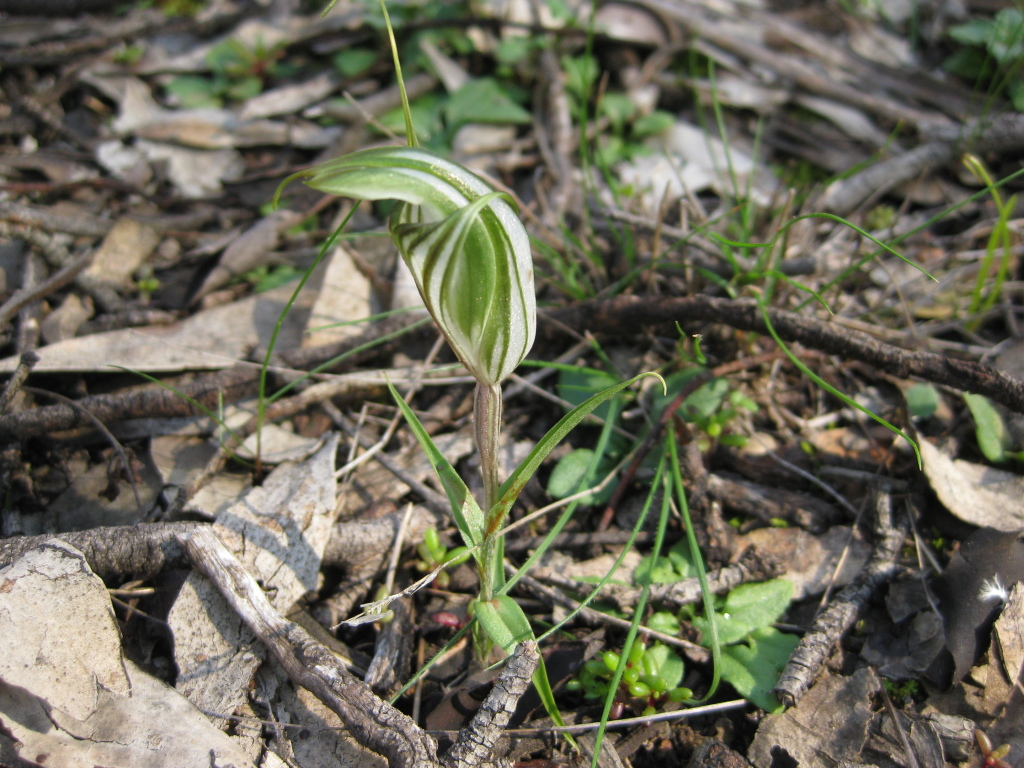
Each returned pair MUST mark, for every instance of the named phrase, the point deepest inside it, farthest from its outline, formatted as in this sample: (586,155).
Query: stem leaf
(506,624)
(467,513)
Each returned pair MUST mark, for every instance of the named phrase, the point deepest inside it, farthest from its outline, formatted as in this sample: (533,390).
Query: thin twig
(18,378)
(840,615)
(52,284)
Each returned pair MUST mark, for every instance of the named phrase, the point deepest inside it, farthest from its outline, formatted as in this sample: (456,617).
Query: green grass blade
(511,488)
(410,131)
(829,388)
(698,561)
(195,404)
(599,449)
(638,612)
(262,401)
(626,549)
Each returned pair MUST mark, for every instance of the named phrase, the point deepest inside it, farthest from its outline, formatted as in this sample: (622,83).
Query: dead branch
(476,741)
(1001,134)
(374,723)
(597,316)
(139,552)
(637,312)
(842,612)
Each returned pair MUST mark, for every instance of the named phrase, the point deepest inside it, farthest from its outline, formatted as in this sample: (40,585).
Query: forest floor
(804,216)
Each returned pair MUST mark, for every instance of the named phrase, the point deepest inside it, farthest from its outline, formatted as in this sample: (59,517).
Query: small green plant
(438,117)
(753,652)
(993,437)
(993,53)
(128,54)
(470,257)
(652,677)
(902,689)
(237,73)
(1000,241)
(922,400)
(627,128)
(711,408)
(433,554)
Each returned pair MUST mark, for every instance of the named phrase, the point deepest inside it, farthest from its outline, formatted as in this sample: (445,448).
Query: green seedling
(993,53)
(352,62)
(1001,241)
(993,437)
(711,408)
(627,128)
(128,54)
(651,678)
(433,554)
(922,400)
(237,73)
(483,100)
(675,565)
(754,653)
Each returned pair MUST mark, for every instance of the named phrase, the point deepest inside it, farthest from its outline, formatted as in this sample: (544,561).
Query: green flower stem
(487,427)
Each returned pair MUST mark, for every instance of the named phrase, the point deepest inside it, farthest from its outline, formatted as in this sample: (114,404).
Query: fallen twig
(377,725)
(842,612)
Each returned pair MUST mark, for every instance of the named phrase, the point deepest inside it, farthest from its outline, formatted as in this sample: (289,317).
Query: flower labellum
(463,242)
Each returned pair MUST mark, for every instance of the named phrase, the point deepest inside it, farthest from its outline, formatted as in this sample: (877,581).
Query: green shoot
(1000,240)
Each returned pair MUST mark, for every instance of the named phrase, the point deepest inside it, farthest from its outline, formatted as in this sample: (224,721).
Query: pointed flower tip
(464,243)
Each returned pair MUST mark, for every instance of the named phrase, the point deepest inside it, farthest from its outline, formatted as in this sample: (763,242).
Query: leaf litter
(109,157)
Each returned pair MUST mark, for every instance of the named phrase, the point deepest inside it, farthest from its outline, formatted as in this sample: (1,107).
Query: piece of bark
(476,741)
(842,612)
(374,723)
(713,753)
(139,552)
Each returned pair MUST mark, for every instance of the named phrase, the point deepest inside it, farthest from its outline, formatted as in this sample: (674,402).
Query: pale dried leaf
(290,99)
(209,340)
(64,322)
(828,726)
(58,633)
(179,458)
(977,494)
(125,248)
(156,727)
(196,173)
(811,560)
(279,530)
(252,249)
(344,297)
(86,503)
(1008,633)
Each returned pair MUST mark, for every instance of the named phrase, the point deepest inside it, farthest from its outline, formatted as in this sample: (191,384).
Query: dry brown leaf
(977,494)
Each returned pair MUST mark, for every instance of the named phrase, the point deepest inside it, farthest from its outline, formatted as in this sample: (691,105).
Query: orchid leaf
(505,622)
(467,513)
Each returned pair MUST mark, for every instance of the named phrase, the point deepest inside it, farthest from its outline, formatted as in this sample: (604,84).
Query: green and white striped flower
(464,243)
